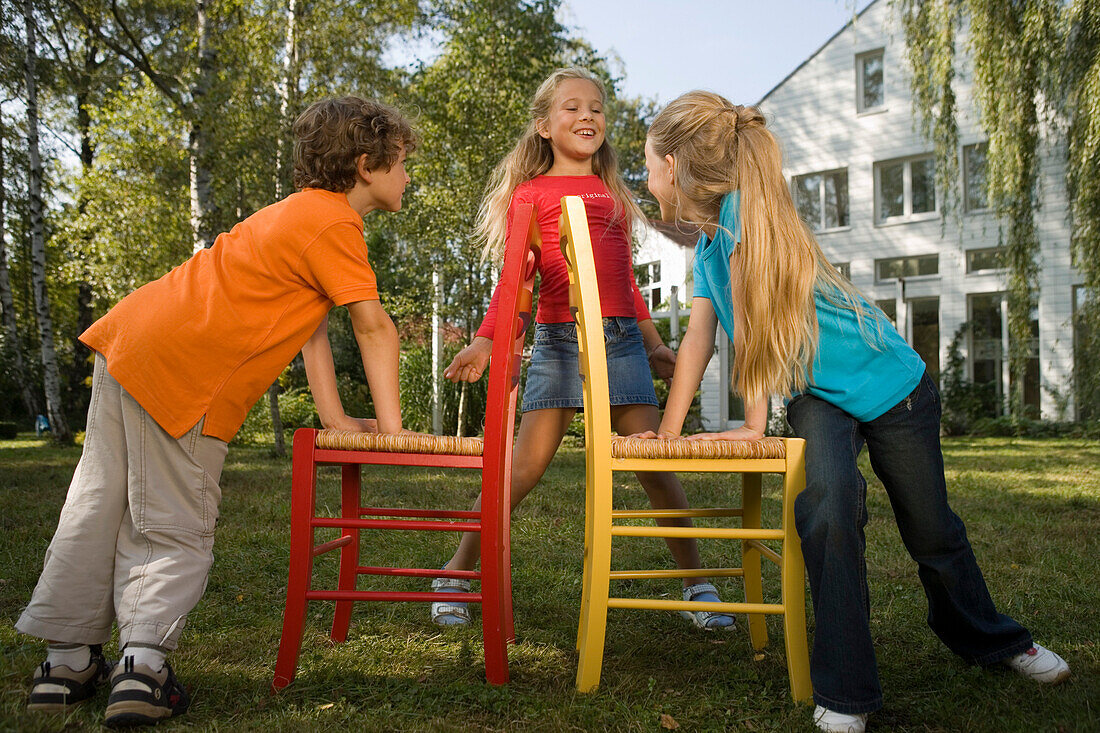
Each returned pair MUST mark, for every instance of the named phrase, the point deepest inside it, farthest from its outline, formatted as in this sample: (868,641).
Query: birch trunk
(287,86)
(51,378)
(201,196)
(7,301)
(461,431)
(84,295)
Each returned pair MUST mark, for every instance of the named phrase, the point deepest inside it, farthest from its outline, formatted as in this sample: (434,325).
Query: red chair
(491,455)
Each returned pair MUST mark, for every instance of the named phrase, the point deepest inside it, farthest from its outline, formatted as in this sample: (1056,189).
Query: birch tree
(51,379)
(7,302)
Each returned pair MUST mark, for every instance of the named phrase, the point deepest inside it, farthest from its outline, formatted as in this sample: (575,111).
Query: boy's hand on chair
(741,433)
(354,424)
(470,363)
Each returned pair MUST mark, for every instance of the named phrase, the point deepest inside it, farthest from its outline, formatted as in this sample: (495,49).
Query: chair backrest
(584,302)
(517,280)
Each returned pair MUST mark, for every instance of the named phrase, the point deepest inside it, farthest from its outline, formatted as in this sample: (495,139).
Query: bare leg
(663,489)
(537,440)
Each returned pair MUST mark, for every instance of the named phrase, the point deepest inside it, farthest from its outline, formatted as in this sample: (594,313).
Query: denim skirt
(553,377)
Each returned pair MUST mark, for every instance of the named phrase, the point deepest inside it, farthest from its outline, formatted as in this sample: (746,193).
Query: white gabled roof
(821,48)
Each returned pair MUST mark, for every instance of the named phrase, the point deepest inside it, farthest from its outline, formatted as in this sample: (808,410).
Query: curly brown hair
(332,133)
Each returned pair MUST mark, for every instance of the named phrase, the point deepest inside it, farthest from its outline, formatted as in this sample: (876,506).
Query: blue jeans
(904,448)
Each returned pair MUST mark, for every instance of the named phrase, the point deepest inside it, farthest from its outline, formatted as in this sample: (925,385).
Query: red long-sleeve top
(619,293)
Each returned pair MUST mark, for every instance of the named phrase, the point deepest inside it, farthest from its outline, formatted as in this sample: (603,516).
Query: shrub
(295,410)
(964,403)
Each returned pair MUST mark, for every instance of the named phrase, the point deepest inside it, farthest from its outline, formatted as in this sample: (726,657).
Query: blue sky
(738,48)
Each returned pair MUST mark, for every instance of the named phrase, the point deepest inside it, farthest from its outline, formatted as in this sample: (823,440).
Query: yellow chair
(605,453)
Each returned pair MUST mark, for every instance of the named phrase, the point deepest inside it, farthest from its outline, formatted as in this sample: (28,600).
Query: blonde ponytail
(719,147)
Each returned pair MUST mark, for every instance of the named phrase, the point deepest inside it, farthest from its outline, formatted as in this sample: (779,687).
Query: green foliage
(1015,49)
(295,409)
(1086,356)
(930,34)
(1080,104)
(416,393)
(964,402)
(473,106)
(134,227)
(1006,427)
(128,86)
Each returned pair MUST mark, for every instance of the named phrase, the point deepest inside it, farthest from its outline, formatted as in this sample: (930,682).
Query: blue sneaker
(706,620)
(450,614)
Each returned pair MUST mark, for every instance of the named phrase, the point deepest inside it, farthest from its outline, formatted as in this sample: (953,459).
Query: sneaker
(834,722)
(140,696)
(454,613)
(56,688)
(1039,664)
(706,620)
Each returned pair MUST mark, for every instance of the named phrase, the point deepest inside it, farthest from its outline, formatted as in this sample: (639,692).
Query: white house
(863,177)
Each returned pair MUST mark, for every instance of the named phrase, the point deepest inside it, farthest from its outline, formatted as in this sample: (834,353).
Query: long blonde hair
(533,156)
(718,147)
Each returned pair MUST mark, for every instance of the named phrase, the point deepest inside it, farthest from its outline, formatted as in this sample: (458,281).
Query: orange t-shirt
(211,336)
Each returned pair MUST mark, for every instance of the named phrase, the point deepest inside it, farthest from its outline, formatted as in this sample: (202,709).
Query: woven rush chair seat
(490,457)
(605,454)
(622,447)
(447,445)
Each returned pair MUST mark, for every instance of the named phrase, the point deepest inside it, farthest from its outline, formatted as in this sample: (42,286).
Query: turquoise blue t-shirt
(862,379)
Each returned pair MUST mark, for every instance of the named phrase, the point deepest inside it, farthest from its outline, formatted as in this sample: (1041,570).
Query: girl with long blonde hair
(801,330)
(564,152)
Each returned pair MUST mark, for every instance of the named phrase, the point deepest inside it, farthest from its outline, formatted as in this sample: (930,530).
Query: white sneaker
(834,722)
(1039,664)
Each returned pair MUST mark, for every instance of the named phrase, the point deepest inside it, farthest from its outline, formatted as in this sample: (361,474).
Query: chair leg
(506,592)
(493,626)
(597,574)
(794,578)
(303,484)
(493,630)
(750,558)
(350,496)
(586,573)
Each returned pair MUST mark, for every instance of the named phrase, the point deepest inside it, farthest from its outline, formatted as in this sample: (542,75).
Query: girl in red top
(564,152)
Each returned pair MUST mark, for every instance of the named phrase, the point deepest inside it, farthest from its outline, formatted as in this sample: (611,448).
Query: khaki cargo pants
(135,540)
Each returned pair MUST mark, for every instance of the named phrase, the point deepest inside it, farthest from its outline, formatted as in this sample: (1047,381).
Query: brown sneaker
(56,689)
(140,696)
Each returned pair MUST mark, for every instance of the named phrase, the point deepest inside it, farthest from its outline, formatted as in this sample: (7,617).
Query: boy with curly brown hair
(178,364)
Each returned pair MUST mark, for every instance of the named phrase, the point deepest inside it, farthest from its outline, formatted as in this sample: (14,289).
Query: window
(897,267)
(989,349)
(822,199)
(975,177)
(924,321)
(844,268)
(648,276)
(870,86)
(984,260)
(905,189)
(890,308)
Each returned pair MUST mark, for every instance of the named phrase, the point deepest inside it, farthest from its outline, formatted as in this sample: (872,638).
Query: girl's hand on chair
(651,435)
(470,363)
(741,433)
(662,360)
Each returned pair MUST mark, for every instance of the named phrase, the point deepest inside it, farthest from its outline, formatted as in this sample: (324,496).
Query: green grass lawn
(1032,510)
